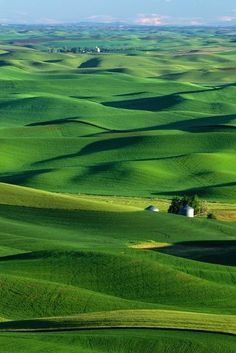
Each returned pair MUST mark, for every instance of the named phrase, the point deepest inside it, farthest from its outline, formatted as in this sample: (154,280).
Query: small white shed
(187,211)
(152,209)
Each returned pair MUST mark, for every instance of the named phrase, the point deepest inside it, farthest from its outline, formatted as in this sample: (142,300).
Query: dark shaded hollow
(221,252)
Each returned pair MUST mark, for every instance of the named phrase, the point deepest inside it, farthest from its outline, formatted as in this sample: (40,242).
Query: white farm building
(187,211)
(152,209)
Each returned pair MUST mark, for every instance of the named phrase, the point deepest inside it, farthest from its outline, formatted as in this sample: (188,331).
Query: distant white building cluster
(186,210)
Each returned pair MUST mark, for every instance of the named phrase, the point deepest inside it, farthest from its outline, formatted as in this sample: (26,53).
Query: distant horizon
(152,12)
(119,23)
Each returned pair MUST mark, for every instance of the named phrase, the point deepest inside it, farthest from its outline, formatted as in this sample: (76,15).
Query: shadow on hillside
(152,104)
(94,62)
(74,120)
(202,124)
(53,61)
(53,122)
(95,147)
(131,94)
(215,252)
(4,63)
(160,103)
(201,191)
(36,255)
(217,123)
(22,177)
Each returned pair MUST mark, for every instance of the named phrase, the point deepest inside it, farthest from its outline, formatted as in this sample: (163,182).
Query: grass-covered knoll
(83,260)
(129,319)
(71,262)
(124,123)
(110,341)
(26,197)
(86,143)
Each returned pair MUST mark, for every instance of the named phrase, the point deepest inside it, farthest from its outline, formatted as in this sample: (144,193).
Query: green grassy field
(86,143)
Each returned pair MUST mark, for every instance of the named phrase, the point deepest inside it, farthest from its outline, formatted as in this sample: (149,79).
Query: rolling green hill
(74,260)
(87,142)
(86,131)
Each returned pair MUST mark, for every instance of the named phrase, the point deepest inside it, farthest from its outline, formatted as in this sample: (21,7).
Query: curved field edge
(122,340)
(16,195)
(159,319)
(28,197)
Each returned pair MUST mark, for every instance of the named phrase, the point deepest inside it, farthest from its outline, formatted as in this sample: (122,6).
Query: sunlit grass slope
(80,260)
(129,319)
(26,197)
(118,127)
(119,340)
(66,261)
(152,118)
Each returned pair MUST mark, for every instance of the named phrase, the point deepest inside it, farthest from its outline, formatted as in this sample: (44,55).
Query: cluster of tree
(79,50)
(200,206)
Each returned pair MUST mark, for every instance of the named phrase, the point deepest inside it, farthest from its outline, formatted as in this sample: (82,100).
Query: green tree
(200,206)
(175,205)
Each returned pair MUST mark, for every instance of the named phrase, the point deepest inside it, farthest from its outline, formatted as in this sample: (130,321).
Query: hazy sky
(139,11)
